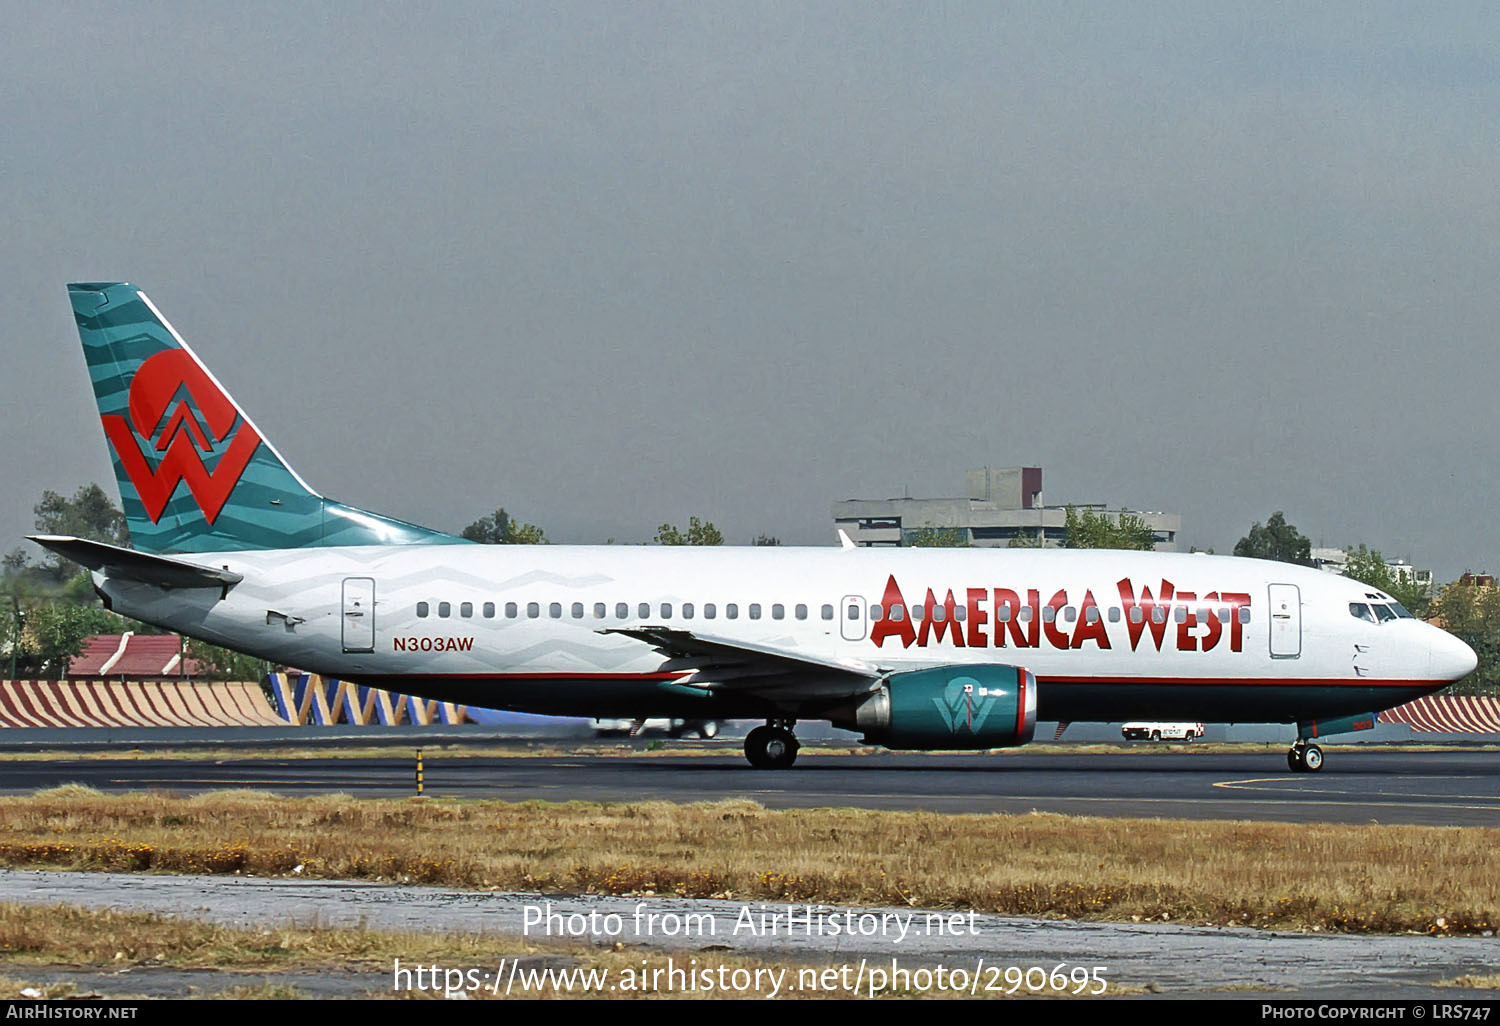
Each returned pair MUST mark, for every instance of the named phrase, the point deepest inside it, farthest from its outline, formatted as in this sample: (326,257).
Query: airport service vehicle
(1161,731)
(916,648)
(672,727)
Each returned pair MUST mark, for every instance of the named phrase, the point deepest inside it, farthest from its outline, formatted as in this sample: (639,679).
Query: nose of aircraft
(1449,658)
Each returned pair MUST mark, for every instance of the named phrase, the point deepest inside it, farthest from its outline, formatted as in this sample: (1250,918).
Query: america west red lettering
(1023,633)
(948,623)
(1090,624)
(156,388)
(1163,619)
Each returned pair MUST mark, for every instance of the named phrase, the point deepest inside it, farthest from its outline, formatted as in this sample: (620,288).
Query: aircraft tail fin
(195,473)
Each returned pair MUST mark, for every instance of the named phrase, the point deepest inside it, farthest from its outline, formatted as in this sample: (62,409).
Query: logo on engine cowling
(965,705)
(178,411)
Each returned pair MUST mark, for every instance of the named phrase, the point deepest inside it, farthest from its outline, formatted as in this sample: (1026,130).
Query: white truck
(1162,731)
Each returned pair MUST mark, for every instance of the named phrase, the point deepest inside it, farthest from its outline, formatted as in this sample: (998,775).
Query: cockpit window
(1384,612)
(1401,612)
(1360,611)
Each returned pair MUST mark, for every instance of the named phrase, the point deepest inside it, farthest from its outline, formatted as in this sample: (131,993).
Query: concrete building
(1335,560)
(999,506)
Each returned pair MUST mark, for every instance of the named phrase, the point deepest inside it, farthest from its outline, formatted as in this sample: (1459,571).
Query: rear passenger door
(359,614)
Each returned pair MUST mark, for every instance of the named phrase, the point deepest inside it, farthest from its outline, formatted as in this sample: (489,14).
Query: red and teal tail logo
(195,474)
(179,416)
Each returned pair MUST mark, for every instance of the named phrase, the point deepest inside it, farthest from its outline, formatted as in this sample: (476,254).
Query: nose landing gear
(1303,757)
(772,746)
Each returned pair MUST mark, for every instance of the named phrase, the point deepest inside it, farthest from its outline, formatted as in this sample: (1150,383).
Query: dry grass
(1474,983)
(106,941)
(35,934)
(1324,877)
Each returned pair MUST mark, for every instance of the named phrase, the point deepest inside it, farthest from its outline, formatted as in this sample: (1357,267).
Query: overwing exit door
(851,615)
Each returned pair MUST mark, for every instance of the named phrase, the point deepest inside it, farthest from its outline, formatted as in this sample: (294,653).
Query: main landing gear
(1304,757)
(773,746)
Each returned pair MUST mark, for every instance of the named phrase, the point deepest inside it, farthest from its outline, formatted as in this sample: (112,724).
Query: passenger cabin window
(1244,614)
(827,612)
(533,610)
(445,609)
(599,611)
(489,610)
(755,610)
(622,610)
(511,612)
(898,613)
(801,611)
(554,610)
(578,610)
(644,610)
(778,611)
(466,609)
(710,610)
(877,611)
(732,611)
(422,609)
(666,610)
(687,610)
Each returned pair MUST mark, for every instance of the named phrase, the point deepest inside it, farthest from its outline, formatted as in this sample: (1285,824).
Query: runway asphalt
(1447,788)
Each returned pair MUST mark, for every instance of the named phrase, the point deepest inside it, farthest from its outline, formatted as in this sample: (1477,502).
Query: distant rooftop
(1000,506)
(146,656)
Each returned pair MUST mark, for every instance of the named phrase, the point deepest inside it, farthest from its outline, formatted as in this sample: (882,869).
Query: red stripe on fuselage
(1321,682)
(1361,682)
(523,676)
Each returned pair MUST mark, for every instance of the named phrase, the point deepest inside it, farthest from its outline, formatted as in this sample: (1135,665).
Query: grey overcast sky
(609,265)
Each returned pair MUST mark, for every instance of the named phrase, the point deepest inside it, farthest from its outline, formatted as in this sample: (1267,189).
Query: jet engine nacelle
(950,707)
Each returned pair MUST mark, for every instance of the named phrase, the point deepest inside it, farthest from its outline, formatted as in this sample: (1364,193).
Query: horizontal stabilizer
(113,561)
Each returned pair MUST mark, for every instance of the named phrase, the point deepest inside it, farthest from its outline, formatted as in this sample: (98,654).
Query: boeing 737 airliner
(915,648)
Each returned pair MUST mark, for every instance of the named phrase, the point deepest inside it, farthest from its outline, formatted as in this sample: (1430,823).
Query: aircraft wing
(113,561)
(722,663)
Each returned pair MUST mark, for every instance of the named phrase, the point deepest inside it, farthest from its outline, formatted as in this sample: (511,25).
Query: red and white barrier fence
(98,703)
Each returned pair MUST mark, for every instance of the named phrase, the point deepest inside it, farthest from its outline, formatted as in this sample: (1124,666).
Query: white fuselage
(1109,635)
